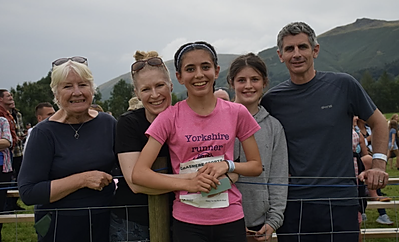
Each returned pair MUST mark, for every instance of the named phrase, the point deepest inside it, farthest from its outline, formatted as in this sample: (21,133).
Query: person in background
(5,162)
(365,148)
(134,103)
(220,93)
(96,107)
(14,119)
(263,204)
(18,148)
(323,104)
(66,167)
(392,146)
(43,111)
(28,126)
(6,101)
(11,202)
(200,133)
(392,154)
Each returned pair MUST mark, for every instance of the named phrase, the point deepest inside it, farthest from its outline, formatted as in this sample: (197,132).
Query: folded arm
(143,175)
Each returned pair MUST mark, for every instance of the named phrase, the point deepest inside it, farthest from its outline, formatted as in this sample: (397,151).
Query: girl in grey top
(263,197)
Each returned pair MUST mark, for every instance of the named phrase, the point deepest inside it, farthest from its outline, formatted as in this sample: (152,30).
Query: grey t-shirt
(317,119)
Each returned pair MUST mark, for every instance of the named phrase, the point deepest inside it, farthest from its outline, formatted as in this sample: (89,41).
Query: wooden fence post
(158,208)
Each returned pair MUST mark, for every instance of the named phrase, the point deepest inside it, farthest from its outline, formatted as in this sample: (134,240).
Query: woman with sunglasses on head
(264,204)
(153,87)
(66,166)
(200,132)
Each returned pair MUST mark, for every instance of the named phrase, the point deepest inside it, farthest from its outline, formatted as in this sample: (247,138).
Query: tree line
(384,91)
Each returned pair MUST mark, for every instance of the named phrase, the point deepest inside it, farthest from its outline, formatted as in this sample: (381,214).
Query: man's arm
(376,176)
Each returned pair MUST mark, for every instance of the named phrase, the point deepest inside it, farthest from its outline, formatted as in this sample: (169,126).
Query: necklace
(76,131)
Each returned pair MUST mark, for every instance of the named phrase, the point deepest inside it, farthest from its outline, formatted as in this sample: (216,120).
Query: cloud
(34,33)
(170,49)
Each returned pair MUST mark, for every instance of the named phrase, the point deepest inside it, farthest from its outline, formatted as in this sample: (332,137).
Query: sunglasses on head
(79,59)
(138,65)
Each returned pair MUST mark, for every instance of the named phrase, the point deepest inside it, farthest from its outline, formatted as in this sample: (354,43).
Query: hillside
(360,24)
(366,44)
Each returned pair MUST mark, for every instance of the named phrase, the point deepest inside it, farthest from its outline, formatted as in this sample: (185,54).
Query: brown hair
(393,124)
(248,60)
(42,105)
(2,91)
(199,45)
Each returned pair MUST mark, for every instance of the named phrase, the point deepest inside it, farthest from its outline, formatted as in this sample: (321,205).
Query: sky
(35,33)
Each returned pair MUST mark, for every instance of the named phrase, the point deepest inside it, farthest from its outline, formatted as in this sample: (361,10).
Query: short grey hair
(294,29)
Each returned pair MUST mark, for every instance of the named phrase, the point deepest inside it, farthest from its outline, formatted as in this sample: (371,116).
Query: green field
(24,232)
(372,214)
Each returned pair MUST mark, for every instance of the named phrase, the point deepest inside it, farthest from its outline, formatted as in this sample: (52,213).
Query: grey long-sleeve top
(262,203)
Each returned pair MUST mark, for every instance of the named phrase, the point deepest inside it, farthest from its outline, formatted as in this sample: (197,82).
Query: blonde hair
(134,103)
(96,107)
(60,74)
(142,55)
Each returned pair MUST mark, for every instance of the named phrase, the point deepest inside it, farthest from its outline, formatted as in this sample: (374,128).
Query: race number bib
(196,199)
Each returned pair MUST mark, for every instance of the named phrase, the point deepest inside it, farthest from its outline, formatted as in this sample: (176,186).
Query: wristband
(229,178)
(380,156)
(231,166)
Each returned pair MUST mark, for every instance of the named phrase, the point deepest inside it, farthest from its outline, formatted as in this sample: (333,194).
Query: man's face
(7,101)
(298,54)
(44,113)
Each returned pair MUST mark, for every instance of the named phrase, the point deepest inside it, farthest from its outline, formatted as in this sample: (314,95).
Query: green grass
(372,214)
(388,115)
(24,232)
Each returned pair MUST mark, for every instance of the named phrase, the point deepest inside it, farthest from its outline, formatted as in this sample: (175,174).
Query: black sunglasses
(79,59)
(138,65)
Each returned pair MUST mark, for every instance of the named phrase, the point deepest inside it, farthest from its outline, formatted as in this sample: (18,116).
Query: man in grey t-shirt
(316,111)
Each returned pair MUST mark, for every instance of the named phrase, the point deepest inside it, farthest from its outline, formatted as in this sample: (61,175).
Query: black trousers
(228,232)
(310,222)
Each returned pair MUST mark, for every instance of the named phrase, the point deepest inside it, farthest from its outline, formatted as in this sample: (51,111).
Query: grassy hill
(366,44)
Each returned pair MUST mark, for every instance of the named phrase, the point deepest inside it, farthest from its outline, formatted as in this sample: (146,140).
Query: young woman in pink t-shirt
(200,132)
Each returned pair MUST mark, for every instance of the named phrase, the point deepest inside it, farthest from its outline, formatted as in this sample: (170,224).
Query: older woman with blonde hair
(66,166)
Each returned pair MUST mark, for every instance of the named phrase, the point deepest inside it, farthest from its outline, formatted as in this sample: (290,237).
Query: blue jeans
(124,230)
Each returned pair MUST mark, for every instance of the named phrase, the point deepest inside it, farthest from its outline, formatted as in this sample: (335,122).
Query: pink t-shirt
(191,136)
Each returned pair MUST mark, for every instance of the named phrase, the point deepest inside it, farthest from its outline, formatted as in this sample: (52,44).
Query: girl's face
(154,90)
(248,85)
(198,72)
